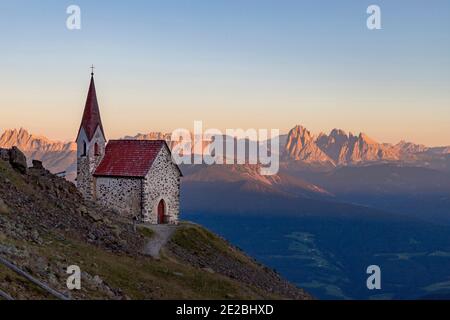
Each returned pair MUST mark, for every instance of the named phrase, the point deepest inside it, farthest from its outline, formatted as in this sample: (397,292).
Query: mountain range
(298,147)
(312,166)
(341,149)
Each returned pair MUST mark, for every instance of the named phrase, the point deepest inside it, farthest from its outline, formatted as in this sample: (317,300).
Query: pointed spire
(91,116)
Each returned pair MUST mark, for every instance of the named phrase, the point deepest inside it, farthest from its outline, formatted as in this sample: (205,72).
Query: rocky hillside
(55,155)
(45,226)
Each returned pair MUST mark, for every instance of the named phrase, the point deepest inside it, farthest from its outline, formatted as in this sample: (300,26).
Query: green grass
(18,287)
(200,241)
(14,177)
(138,277)
(144,277)
(146,232)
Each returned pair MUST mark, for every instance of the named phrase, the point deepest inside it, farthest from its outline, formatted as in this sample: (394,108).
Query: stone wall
(120,194)
(162,182)
(84,178)
(86,164)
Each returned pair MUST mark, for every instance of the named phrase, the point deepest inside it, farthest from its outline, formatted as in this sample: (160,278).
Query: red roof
(91,116)
(129,158)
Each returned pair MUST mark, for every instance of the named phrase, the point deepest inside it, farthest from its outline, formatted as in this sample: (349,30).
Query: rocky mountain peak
(409,147)
(338,147)
(301,145)
(28,142)
(300,134)
(338,133)
(364,138)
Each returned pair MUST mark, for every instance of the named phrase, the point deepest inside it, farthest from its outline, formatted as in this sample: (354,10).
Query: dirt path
(162,234)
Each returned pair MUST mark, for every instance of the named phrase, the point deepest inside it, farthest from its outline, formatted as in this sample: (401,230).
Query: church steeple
(91,115)
(91,143)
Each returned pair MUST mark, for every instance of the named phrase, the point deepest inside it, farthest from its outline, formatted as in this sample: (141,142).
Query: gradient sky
(231,63)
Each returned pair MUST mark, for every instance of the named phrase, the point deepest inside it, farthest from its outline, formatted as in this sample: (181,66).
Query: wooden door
(161,212)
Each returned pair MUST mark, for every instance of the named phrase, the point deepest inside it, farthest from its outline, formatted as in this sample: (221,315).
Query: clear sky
(231,63)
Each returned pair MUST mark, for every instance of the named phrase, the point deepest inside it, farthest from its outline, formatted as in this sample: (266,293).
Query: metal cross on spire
(92,70)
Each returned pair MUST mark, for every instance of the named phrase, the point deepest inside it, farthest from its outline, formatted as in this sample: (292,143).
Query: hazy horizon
(232,64)
(315,134)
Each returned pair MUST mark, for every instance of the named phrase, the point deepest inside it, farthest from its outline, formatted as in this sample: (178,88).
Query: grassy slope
(108,273)
(137,277)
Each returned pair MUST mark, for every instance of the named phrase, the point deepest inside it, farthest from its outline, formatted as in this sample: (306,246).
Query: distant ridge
(341,149)
(336,149)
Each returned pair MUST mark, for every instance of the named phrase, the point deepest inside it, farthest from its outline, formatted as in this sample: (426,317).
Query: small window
(96,149)
(84,149)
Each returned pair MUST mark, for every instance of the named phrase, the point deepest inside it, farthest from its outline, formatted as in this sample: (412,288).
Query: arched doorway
(162,212)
